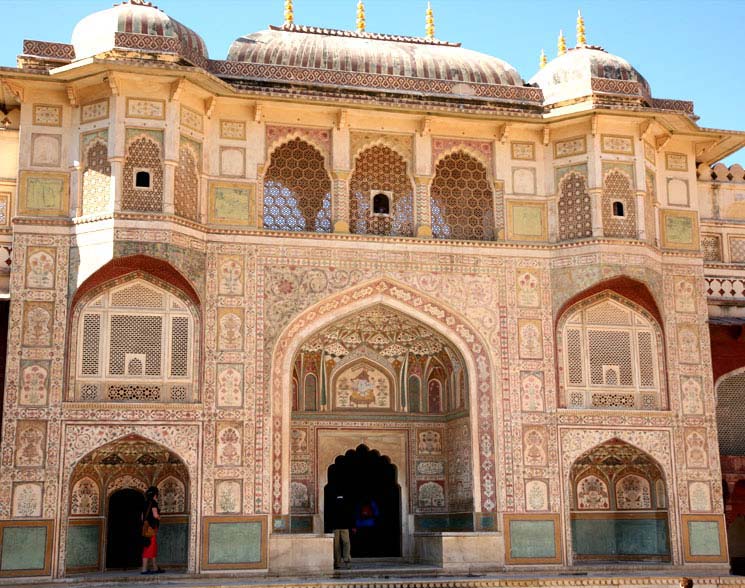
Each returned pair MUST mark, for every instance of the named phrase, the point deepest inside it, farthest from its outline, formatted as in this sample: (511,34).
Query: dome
(351,58)
(130,25)
(581,71)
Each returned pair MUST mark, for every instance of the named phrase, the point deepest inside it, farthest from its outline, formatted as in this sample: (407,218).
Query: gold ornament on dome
(562,44)
(430,22)
(360,17)
(581,39)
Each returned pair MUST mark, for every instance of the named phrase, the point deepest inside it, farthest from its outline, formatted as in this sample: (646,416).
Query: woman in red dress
(151,515)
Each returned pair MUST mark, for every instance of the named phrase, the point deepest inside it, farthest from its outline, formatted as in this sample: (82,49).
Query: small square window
(380,202)
(142,179)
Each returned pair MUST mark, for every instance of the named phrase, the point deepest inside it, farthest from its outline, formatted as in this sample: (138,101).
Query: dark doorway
(123,538)
(368,481)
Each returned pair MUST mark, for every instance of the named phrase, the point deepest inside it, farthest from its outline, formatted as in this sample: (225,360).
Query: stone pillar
(170,154)
(596,203)
(422,208)
(117,149)
(641,218)
(340,201)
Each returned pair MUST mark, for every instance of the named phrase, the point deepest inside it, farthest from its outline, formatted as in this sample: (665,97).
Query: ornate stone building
(350,262)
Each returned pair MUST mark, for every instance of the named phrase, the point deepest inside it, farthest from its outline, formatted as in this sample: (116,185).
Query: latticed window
(143,155)
(382,197)
(136,343)
(186,184)
(462,199)
(611,357)
(96,179)
(575,211)
(297,190)
(619,207)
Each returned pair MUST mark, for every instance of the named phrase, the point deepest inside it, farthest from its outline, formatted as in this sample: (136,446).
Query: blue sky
(691,50)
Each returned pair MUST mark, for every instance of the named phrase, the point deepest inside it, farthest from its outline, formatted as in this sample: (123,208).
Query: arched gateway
(391,372)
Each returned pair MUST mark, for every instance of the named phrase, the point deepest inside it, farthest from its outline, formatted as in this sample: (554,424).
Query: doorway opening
(123,537)
(368,481)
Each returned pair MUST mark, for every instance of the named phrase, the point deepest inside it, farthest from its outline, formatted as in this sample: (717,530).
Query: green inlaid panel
(235,543)
(23,548)
(704,538)
(83,546)
(642,537)
(173,540)
(532,539)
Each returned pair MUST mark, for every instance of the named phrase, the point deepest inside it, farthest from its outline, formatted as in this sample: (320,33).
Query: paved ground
(410,576)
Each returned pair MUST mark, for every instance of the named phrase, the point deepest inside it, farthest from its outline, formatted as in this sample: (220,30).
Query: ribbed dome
(364,53)
(96,33)
(571,75)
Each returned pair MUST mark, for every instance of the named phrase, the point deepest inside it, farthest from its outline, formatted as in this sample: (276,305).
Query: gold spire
(430,22)
(289,15)
(544,59)
(360,17)
(581,39)
(562,45)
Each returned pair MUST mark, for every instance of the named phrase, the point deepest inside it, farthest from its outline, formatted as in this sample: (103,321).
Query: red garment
(151,550)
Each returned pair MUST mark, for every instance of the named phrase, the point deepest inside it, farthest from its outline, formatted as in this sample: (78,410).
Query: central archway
(369,483)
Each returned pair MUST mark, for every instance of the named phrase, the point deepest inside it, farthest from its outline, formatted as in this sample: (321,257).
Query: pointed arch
(462,198)
(610,354)
(297,188)
(420,307)
(380,169)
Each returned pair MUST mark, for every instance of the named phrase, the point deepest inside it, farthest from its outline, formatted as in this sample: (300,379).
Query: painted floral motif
(84,499)
(172,495)
(299,440)
(692,398)
(699,496)
(230,277)
(528,290)
(695,441)
(229,386)
(27,500)
(430,443)
(34,385)
(531,389)
(229,446)
(688,344)
(40,269)
(299,496)
(632,493)
(362,386)
(37,330)
(685,295)
(30,438)
(534,441)
(231,332)
(228,497)
(431,495)
(536,495)
(529,332)
(592,494)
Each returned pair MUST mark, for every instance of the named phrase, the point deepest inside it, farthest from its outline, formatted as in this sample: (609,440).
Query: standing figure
(150,525)
(342,521)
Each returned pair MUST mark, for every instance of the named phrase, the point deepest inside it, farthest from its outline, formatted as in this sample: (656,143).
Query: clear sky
(690,50)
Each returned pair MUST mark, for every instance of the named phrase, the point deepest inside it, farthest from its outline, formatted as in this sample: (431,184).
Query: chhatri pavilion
(510,312)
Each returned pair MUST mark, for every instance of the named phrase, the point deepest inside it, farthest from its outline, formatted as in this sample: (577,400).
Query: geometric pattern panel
(96,179)
(381,169)
(297,189)
(462,199)
(186,184)
(575,212)
(617,189)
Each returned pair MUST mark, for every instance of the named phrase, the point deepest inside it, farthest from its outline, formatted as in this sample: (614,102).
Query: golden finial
(581,39)
(360,17)
(430,22)
(289,14)
(544,59)
(562,45)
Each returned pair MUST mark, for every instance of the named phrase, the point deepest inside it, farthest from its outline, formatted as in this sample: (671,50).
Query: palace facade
(506,314)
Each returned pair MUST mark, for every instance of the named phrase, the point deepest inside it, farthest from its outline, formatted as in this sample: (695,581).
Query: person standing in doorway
(150,525)
(342,523)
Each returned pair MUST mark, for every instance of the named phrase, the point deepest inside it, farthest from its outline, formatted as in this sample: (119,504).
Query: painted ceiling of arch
(615,454)
(388,332)
(131,451)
